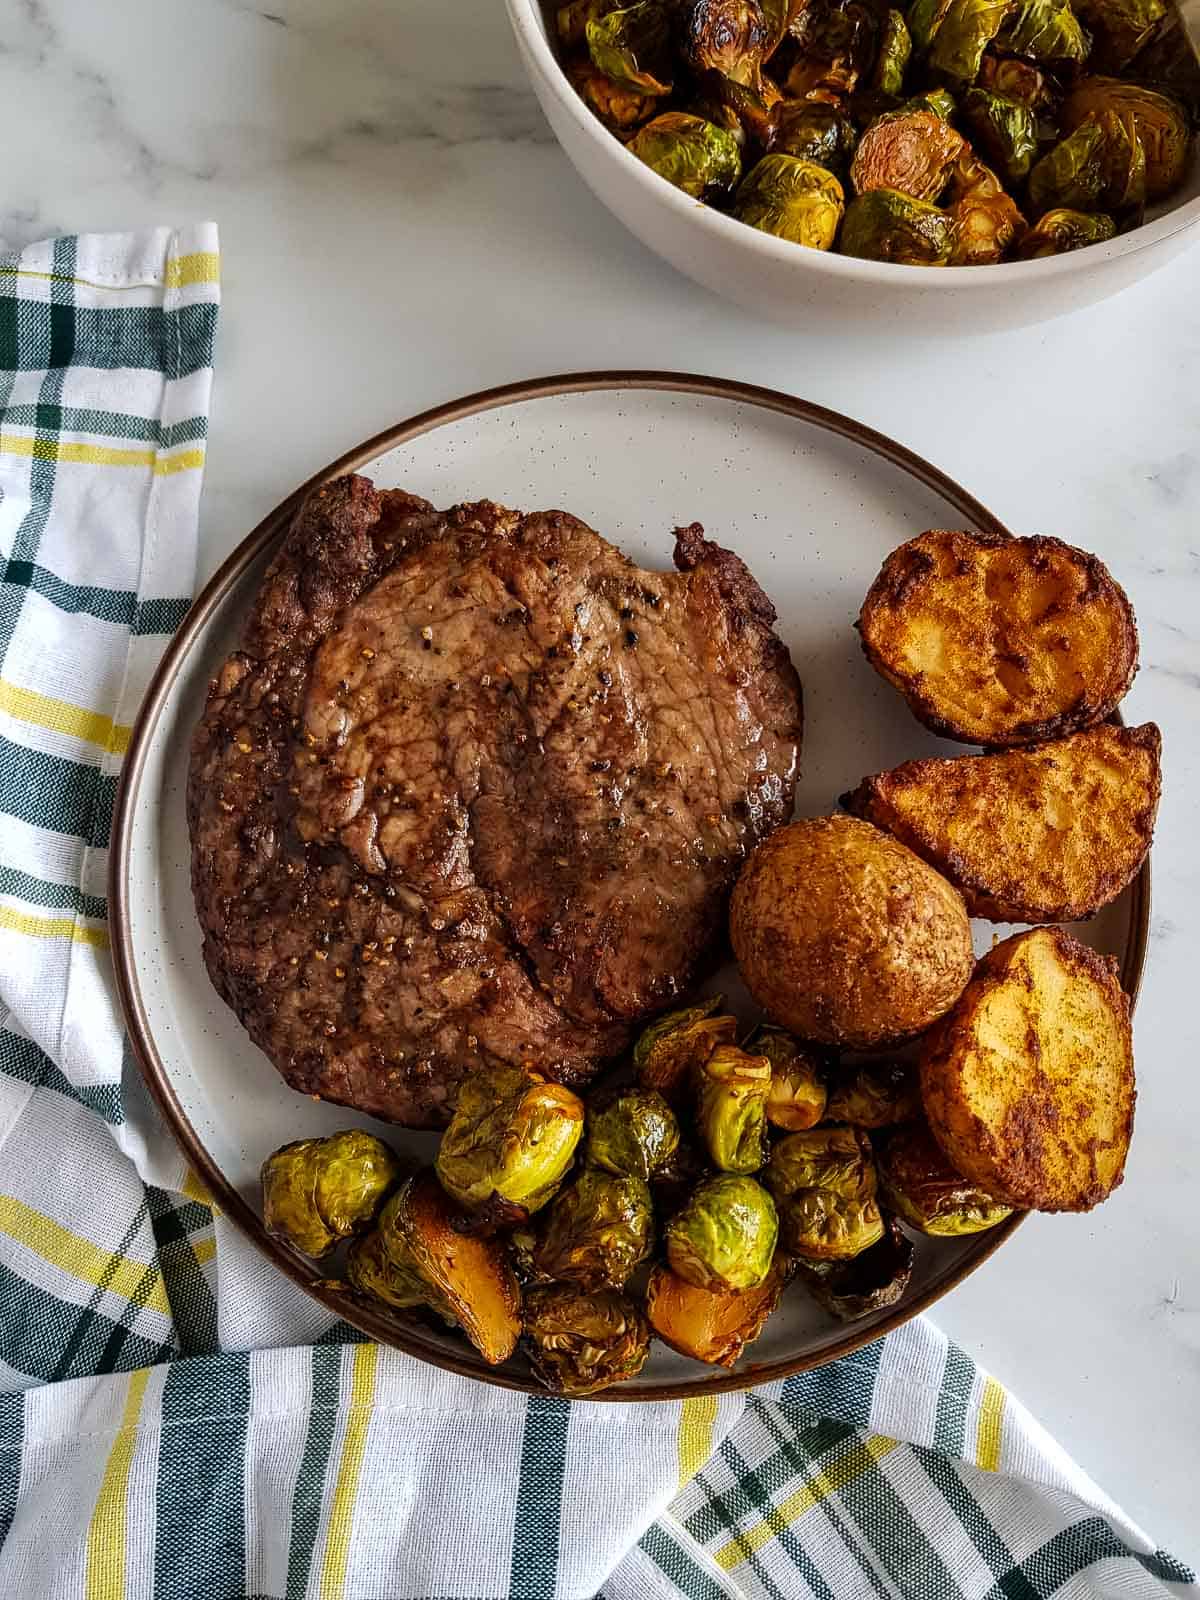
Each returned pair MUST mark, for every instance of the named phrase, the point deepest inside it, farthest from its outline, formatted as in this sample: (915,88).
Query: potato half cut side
(1028,1083)
(1046,834)
(999,641)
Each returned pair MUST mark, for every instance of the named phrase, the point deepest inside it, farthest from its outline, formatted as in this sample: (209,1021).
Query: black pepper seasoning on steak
(475,787)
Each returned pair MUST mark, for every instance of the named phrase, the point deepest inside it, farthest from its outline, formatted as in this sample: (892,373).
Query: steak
(475,788)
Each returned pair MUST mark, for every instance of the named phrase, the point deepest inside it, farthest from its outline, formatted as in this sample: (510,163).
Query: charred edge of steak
(736,584)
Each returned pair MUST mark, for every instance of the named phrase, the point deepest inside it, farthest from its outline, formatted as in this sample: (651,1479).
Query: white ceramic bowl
(793,284)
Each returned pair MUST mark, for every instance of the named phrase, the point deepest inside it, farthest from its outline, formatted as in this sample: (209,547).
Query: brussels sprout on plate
(668,1052)
(875,1094)
(509,1143)
(708,1325)
(1056,232)
(824,1226)
(885,225)
(390,1276)
(923,1188)
(834,1157)
(731,1112)
(911,152)
(870,1281)
(797,1096)
(319,1191)
(724,1236)
(633,46)
(1004,131)
(596,1232)
(469,1278)
(631,1132)
(579,1342)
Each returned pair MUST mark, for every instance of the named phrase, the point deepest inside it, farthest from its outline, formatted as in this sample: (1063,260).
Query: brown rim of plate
(378,1324)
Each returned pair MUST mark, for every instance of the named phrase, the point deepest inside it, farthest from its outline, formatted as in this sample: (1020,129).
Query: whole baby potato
(845,937)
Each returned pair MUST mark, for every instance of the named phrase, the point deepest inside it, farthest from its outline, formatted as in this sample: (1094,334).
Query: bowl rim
(341,1302)
(528,23)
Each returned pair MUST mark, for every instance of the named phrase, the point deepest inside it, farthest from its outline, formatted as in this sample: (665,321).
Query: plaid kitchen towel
(176,1419)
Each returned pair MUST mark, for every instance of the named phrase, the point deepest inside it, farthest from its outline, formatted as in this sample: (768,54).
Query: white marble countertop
(398,227)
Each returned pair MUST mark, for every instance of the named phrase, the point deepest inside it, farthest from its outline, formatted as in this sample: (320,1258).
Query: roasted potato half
(1046,834)
(845,937)
(1028,1083)
(999,641)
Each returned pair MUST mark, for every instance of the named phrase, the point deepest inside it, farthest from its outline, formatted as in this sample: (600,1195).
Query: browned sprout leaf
(711,1326)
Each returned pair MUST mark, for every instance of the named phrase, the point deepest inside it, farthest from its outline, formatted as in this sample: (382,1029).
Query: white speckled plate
(811,500)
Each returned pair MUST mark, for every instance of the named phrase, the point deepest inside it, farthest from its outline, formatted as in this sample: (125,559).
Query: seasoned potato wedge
(1047,834)
(1028,1083)
(1000,641)
(469,1274)
(709,1325)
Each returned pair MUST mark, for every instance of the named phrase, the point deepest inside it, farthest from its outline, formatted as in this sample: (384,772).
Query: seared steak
(475,787)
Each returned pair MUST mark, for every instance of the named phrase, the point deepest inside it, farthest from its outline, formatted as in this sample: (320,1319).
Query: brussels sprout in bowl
(766,271)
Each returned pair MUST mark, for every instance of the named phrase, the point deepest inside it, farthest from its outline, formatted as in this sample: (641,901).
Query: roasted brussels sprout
(870,1281)
(1159,121)
(1168,62)
(633,46)
(1120,27)
(1043,30)
(924,18)
(876,1094)
(670,1049)
(318,1191)
(824,1226)
(836,42)
(571,20)
(884,225)
(711,1326)
(834,1157)
(940,101)
(814,132)
(1003,130)
(631,1132)
(1014,79)
(470,1279)
(731,1091)
(1071,175)
(509,1142)
(1056,232)
(986,219)
(596,1232)
(797,1096)
(725,36)
(895,48)
(920,1185)
(724,1237)
(793,199)
(579,1342)
(911,152)
(619,108)
(966,29)
(373,1271)
(696,156)
(744,110)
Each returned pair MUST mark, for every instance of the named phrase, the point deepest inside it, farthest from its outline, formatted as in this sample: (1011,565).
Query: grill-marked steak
(476,787)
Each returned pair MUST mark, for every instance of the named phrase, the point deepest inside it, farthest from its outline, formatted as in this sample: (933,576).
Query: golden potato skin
(998,641)
(1050,833)
(1028,1084)
(845,937)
